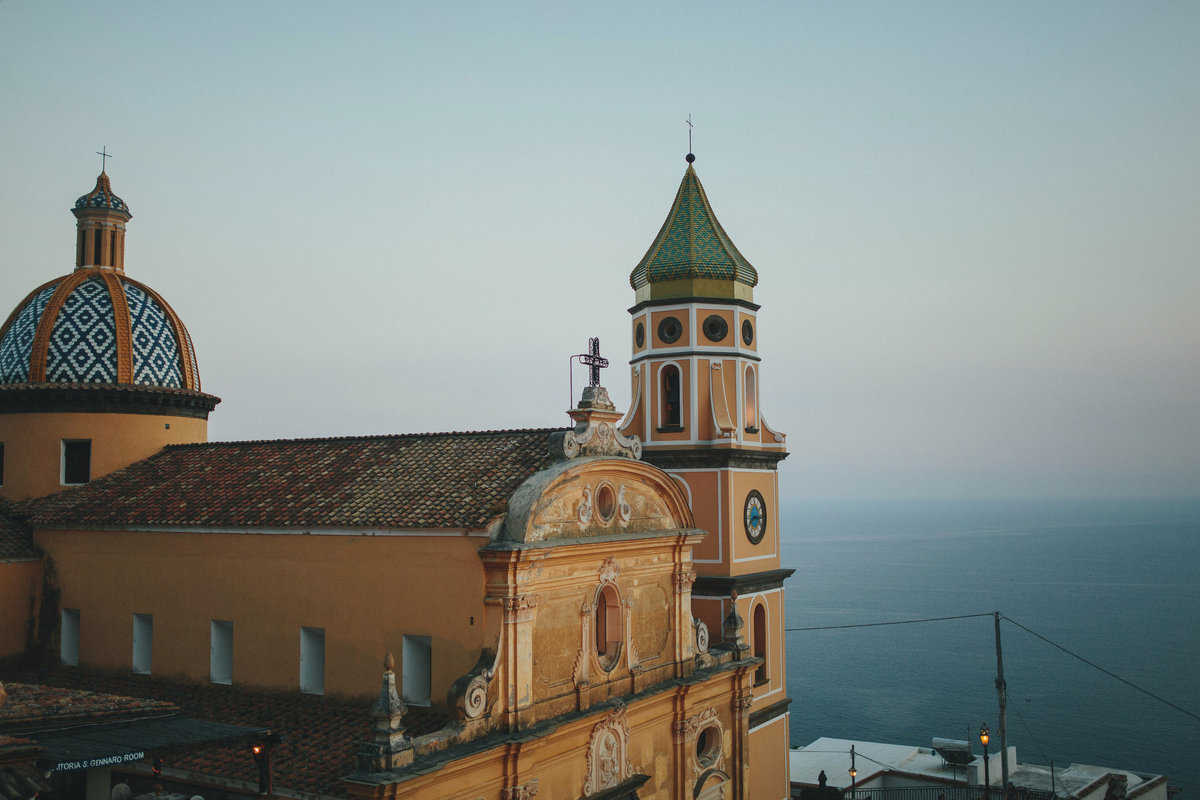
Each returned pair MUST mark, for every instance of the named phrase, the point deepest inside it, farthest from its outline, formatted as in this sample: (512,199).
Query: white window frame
(68,639)
(312,660)
(416,670)
(143,643)
(220,658)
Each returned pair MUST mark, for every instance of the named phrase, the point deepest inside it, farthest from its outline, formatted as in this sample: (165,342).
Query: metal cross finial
(594,361)
(690,126)
(104,156)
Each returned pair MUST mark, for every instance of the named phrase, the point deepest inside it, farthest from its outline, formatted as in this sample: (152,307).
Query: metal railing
(951,792)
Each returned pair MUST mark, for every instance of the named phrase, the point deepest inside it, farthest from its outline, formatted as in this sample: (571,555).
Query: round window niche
(639,335)
(716,328)
(606,502)
(747,332)
(708,746)
(670,329)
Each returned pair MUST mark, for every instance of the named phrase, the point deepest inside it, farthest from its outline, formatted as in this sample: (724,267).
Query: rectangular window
(68,649)
(143,643)
(220,660)
(76,461)
(416,670)
(312,660)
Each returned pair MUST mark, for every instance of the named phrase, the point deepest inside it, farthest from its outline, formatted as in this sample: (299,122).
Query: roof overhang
(106,744)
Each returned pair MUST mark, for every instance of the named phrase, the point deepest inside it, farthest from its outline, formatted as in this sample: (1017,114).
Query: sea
(1115,582)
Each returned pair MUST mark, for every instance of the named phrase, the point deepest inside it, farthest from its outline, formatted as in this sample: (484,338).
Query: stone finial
(595,432)
(733,625)
(388,748)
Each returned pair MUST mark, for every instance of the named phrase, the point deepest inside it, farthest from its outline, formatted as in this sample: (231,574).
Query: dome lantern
(100,237)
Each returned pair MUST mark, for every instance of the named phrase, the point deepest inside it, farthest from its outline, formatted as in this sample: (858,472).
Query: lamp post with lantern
(984,735)
(853,772)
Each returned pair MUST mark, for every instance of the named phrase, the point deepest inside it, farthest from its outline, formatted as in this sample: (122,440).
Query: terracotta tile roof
(20,779)
(32,705)
(433,480)
(16,539)
(323,734)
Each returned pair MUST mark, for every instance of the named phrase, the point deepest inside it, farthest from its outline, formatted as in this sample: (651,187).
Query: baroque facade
(595,612)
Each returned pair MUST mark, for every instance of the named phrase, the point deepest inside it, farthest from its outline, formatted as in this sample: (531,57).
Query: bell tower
(697,378)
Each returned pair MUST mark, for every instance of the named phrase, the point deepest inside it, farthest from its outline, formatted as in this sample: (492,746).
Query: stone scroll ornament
(595,432)
(469,694)
(701,636)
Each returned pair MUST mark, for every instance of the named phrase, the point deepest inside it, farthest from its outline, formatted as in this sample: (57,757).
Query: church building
(585,612)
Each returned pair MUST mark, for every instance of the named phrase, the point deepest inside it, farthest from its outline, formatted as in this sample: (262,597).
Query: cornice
(724,458)
(94,398)
(724,585)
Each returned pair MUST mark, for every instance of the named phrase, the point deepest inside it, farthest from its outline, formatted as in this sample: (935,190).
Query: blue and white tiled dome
(102,197)
(97,326)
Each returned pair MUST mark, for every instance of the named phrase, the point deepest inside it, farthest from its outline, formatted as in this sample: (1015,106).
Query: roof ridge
(365,437)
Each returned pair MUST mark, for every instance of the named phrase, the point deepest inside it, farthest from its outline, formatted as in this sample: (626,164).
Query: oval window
(607,618)
(747,332)
(708,746)
(715,328)
(606,502)
(639,334)
(669,330)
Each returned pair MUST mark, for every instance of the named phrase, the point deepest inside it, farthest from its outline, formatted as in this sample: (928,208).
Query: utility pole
(1002,696)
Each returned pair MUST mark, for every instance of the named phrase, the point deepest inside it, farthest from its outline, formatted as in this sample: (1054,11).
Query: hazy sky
(976,225)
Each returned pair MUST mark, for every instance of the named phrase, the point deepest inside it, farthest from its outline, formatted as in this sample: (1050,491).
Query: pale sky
(976,225)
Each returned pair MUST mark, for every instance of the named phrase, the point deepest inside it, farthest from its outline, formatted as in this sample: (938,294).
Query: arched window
(672,397)
(751,395)
(97,250)
(762,674)
(608,626)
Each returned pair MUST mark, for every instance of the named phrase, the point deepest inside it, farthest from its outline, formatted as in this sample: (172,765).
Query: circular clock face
(669,330)
(747,332)
(715,328)
(755,517)
(639,334)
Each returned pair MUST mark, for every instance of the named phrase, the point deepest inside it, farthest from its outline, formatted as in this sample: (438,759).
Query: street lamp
(853,772)
(987,778)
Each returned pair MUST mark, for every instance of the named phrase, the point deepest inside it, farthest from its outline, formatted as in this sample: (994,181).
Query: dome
(97,326)
(692,253)
(102,197)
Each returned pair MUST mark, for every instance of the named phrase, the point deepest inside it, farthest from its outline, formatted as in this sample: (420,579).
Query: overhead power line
(1068,651)
(880,624)
(1096,666)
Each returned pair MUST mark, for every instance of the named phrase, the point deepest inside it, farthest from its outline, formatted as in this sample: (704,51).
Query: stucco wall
(33,445)
(19,582)
(367,592)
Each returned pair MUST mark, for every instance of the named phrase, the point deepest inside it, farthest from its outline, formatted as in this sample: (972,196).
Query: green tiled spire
(692,256)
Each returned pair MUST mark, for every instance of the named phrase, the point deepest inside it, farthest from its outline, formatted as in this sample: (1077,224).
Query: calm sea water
(1116,581)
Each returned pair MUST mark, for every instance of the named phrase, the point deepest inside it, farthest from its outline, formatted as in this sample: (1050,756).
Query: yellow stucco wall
(33,444)
(658,745)
(367,592)
(19,582)
(769,760)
